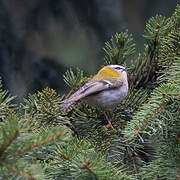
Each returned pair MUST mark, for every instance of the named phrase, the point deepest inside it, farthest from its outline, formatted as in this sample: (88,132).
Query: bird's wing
(91,88)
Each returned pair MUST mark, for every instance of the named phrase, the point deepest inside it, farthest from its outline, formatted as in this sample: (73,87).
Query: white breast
(109,98)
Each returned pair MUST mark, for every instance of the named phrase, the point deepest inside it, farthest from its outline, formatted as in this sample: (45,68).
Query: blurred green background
(41,39)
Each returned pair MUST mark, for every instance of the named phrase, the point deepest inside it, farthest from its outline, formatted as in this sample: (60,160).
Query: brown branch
(85,166)
(3,149)
(117,56)
(38,144)
(17,171)
(65,157)
(147,122)
(134,165)
(118,51)
(155,41)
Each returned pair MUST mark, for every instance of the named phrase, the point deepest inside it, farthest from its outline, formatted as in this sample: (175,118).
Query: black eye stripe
(118,68)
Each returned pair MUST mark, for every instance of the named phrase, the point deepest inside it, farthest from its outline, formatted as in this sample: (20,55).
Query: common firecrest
(105,90)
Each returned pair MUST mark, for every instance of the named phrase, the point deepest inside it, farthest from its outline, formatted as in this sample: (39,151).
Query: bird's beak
(128,69)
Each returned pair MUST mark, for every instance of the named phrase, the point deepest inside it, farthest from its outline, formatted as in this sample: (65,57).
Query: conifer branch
(117,56)
(38,144)
(65,157)
(85,165)
(17,171)
(152,117)
(134,165)
(153,51)
(119,48)
(9,143)
(155,41)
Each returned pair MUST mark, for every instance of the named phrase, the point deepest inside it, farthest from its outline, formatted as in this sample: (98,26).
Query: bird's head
(112,72)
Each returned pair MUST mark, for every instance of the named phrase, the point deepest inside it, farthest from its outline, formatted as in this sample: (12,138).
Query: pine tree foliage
(75,81)
(39,141)
(31,146)
(159,119)
(5,102)
(79,160)
(19,143)
(119,49)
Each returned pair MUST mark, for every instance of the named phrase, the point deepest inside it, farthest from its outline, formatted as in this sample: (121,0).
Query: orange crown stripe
(109,72)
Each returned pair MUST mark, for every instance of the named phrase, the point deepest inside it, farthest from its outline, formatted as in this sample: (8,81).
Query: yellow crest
(107,74)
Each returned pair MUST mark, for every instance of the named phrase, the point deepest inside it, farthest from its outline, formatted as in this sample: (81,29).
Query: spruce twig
(117,56)
(65,157)
(155,42)
(3,149)
(152,117)
(17,171)
(38,144)
(85,165)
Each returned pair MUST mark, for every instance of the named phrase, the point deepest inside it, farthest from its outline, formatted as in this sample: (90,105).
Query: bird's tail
(70,103)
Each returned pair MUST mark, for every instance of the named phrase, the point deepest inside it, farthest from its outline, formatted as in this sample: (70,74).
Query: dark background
(41,39)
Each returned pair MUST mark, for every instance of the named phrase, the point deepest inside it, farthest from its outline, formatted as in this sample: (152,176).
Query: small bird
(104,91)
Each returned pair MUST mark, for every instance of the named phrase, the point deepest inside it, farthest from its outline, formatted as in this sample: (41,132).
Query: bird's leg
(109,122)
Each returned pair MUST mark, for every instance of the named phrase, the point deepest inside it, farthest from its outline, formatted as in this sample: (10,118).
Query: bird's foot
(109,126)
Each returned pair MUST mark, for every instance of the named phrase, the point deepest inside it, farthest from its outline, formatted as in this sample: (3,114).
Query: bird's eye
(118,68)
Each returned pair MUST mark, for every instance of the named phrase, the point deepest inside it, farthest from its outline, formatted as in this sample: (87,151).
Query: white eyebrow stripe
(108,82)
